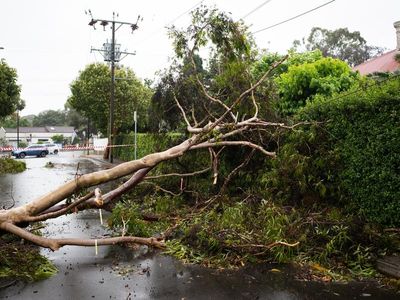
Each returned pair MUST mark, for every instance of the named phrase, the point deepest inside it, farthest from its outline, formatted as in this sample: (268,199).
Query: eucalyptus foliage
(214,50)
(341,43)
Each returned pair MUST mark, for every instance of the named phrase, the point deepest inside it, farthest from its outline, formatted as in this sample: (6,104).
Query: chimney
(397,26)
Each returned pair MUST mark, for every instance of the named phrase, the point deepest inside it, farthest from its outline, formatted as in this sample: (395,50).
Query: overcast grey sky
(49,41)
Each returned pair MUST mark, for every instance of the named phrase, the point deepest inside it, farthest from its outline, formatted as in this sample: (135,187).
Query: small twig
(123,226)
(183,113)
(77,175)
(162,189)
(233,143)
(194,117)
(214,166)
(274,244)
(391,230)
(179,174)
(234,171)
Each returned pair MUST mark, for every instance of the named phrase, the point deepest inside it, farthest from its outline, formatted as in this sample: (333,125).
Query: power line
(295,17)
(171,22)
(255,9)
(185,12)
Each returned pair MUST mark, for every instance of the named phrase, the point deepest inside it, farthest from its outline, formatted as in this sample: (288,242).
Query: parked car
(53,148)
(33,150)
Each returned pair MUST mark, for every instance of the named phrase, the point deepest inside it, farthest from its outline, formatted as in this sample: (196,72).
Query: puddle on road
(121,273)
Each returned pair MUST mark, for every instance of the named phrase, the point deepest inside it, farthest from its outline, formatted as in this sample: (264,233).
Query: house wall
(34,138)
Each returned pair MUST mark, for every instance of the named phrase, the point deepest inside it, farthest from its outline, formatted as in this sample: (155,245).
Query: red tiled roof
(383,63)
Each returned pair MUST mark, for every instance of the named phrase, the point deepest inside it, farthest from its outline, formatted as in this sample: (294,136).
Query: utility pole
(112,55)
(88,135)
(135,120)
(18,128)
(20,107)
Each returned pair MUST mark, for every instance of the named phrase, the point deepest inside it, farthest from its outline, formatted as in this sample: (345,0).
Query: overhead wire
(295,17)
(255,9)
(172,21)
(185,12)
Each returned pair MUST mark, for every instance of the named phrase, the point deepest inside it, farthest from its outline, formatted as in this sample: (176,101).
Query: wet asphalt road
(120,273)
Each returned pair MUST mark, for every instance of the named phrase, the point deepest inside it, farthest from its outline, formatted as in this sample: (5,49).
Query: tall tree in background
(10,100)
(50,117)
(91,95)
(348,46)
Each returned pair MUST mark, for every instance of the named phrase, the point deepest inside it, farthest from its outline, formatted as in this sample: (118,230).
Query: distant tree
(74,118)
(11,121)
(91,97)
(348,46)
(50,117)
(10,100)
(58,138)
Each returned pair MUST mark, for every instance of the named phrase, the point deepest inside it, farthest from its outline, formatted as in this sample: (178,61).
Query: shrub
(9,165)
(301,83)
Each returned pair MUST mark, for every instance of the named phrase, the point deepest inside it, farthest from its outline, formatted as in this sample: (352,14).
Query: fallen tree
(47,206)
(214,131)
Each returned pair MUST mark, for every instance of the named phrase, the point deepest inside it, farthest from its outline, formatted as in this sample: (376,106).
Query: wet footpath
(114,272)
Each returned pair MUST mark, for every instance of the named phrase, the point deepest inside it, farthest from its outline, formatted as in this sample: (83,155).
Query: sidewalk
(99,158)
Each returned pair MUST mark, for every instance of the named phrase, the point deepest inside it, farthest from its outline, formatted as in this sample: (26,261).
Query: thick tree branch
(59,212)
(41,204)
(55,244)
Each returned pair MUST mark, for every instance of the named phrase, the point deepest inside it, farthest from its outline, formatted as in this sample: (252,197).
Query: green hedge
(352,156)
(146,143)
